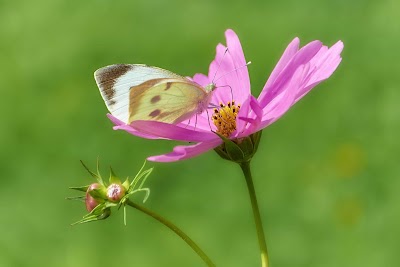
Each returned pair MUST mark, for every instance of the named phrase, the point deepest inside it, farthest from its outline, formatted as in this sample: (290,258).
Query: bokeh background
(326,174)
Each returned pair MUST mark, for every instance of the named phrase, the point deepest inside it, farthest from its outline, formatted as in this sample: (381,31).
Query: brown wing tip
(110,73)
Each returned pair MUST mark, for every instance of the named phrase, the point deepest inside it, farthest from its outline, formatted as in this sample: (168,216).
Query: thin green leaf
(139,173)
(80,198)
(80,188)
(147,193)
(96,176)
(146,175)
(125,215)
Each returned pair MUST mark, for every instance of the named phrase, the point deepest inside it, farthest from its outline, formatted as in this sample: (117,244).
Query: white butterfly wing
(115,82)
(166,100)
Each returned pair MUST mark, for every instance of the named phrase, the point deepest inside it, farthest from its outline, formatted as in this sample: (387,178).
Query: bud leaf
(113,178)
(232,149)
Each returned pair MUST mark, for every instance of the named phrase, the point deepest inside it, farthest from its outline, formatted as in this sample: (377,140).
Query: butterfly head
(209,88)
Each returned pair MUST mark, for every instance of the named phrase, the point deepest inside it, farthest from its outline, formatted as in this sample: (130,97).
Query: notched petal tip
(186,152)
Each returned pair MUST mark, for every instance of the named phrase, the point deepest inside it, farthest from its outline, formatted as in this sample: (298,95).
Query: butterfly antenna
(248,63)
(219,65)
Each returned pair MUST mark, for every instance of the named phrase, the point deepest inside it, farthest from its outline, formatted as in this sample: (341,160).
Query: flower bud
(101,196)
(90,201)
(115,192)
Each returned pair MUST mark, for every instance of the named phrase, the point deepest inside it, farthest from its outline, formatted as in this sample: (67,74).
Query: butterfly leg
(208,119)
(187,124)
(229,88)
(195,123)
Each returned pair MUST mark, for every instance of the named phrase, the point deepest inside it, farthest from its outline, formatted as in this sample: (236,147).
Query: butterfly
(139,92)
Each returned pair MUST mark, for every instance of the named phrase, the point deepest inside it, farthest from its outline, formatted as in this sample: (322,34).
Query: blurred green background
(326,174)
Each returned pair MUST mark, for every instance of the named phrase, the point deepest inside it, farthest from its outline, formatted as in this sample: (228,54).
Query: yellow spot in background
(349,160)
(348,212)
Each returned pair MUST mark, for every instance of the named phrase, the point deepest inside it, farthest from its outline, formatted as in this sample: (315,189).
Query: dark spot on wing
(155,113)
(138,89)
(107,76)
(164,114)
(155,99)
(168,86)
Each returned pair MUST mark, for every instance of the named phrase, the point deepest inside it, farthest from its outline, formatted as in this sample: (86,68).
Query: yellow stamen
(224,118)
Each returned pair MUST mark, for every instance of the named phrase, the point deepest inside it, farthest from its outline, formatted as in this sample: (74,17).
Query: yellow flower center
(225,118)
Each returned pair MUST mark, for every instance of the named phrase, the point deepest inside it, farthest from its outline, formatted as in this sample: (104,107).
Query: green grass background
(326,174)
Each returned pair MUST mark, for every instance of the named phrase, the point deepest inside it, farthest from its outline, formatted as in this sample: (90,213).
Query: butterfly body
(138,92)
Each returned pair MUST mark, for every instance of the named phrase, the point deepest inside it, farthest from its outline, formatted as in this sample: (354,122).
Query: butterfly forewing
(115,82)
(165,100)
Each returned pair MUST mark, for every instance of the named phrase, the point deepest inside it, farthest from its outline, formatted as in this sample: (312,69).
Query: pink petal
(186,152)
(290,51)
(199,122)
(303,56)
(171,131)
(286,98)
(239,61)
(229,68)
(322,65)
(201,79)
(244,112)
(221,64)
(119,125)
(254,119)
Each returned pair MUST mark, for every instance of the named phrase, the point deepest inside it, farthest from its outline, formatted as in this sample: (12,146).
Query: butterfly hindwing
(165,100)
(116,81)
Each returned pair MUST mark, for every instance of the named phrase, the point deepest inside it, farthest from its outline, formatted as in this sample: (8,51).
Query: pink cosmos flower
(241,114)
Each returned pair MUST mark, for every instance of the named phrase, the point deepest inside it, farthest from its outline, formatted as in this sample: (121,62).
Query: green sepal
(246,144)
(113,177)
(98,193)
(101,212)
(255,137)
(239,150)
(126,184)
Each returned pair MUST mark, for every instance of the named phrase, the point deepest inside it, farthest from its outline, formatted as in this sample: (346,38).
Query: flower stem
(177,231)
(256,213)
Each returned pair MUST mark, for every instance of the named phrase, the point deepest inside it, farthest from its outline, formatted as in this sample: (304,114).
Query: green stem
(177,231)
(256,213)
